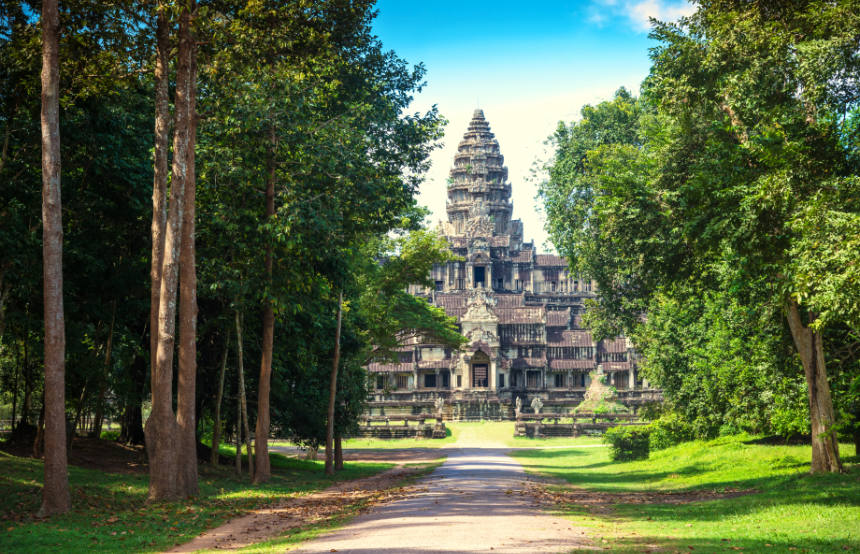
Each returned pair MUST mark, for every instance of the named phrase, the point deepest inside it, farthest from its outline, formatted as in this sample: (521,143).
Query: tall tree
(172,468)
(55,493)
(745,136)
(332,393)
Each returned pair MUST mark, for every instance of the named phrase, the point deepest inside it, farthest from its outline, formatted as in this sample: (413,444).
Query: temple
(520,310)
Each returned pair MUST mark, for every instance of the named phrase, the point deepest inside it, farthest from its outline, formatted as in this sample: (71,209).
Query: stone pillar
(491,378)
(414,379)
(631,383)
(542,378)
(438,383)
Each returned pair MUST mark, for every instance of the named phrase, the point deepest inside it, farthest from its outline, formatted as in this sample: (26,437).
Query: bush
(670,430)
(110,435)
(628,443)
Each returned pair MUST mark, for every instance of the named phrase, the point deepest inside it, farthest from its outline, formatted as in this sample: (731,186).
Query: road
(475,502)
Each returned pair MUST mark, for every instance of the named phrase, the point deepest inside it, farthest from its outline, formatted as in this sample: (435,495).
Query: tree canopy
(730,184)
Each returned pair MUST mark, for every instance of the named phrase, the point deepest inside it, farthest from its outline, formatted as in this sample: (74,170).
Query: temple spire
(478,191)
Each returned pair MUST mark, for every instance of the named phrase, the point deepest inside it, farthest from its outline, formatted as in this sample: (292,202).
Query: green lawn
(792,510)
(110,513)
(483,433)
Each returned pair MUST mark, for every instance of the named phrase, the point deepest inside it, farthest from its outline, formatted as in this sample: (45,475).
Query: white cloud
(639,12)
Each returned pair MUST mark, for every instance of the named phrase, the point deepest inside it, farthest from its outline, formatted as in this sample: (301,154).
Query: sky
(528,66)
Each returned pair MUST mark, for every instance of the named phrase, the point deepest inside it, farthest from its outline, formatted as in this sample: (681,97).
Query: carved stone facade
(520,310)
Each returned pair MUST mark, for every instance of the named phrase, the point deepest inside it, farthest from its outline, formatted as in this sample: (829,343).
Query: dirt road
(475,502)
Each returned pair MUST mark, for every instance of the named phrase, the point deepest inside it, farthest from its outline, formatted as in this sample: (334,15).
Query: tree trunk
(55,492)
(100,406)
(15,387)
(39,442)
(238,434)
(261,443)
(187,374)
(216,427)
(825,446)
(27,402)
(82,400)
(159,182)
(243,403)
(131,423)
(166,475)
(332,393)
(338,452)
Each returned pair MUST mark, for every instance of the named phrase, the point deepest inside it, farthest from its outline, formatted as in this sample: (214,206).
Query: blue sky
(527,66)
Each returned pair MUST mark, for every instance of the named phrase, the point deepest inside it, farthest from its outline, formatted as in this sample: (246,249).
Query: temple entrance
(480,375)
(480,273)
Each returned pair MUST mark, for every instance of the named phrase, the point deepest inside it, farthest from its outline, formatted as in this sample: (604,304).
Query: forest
(235,167)
(208,225)
(719,214)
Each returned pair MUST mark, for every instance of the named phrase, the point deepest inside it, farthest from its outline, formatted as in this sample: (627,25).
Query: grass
(791,510)
(110,513)
(486,433)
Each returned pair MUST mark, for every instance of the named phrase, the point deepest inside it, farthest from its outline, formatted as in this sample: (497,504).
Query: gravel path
(475,502)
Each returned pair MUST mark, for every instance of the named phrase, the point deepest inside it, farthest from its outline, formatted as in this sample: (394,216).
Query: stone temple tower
(479,194)
(520,310)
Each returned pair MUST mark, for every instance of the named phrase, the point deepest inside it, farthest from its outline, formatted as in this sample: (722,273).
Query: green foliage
(627,442)
(109,435)
(670,429)
(720,362)
(724,192)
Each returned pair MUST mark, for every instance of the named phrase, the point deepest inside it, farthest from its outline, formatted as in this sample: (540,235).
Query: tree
(320,137)
(55,493)
(745,134)
(388,316)
(171,438)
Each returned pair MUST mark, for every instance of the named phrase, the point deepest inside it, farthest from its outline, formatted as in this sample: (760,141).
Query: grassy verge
(110,513)
(791,510)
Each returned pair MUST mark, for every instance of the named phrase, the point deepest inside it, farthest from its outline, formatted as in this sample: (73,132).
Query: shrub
(670,430)
(110,435)
(627,443)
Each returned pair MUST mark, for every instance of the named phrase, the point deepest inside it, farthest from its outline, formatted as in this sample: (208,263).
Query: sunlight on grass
(110,513)
(473,433)
(788,508)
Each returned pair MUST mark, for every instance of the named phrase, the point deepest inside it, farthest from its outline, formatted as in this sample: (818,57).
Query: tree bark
(55,493)
(825,446)
(166,476)
(332,392)
(100,407)
(338,452)
(39,442)
(131,423)
(243,403)
(264,470)
(187,374)
(216,427)
(159,182)
(238,434)
(27,401)
(15,386)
